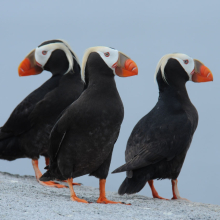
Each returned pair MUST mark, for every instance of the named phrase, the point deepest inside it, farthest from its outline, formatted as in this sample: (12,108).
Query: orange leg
(38,174)
(102,197)
(176,194)
(154,191)
(73,196)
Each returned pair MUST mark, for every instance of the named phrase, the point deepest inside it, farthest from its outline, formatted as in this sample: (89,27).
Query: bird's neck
(172,94)
(72,79)
(76,72)
(62,69)
(176,100)
(52,82)
(100,81)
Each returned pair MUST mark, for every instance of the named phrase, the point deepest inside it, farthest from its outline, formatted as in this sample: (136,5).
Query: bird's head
(55,56)
(179,68)
(108,61)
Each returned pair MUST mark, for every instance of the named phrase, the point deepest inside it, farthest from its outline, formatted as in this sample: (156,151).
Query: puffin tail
(52,174)
(133,164)
(134,182)
(46,177)
(10,149)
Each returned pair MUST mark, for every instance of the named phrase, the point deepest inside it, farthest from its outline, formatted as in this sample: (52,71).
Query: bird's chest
(103,124)
(192,116)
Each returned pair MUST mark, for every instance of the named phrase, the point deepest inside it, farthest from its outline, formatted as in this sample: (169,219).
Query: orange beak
(202,73)
(125,66)
(29,66)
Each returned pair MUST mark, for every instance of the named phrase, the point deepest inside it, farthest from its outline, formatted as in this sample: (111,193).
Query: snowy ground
(21,197)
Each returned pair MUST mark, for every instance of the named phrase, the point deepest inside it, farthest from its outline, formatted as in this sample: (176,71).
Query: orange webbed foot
(38,174)
(156,196)
(102,197)
(74,184)
(76,199)
(73,196)
(52,184)
(180,198)
(106,201)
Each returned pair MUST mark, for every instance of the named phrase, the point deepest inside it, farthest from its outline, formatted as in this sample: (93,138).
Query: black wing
(54,102)
(157,137)
(58,133)
(47,109)
(19,120)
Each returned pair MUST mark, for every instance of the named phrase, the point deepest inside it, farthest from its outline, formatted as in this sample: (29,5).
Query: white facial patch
(185,61)
(109,55)
(43,53)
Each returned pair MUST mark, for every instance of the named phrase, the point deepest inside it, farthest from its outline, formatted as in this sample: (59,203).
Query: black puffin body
(158,144)
(82,140)
(26,133)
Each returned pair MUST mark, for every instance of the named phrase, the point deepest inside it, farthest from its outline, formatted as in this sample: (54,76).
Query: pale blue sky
(145,31)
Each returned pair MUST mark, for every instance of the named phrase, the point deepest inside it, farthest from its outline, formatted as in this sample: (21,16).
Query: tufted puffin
(158,144)
(83,138)
(26,132)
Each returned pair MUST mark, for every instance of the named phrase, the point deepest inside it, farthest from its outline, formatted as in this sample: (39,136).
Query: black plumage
(83,139)
(158,144)
(26,132)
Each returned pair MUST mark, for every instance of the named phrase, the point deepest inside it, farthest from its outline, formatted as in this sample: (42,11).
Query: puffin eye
(107,54)
(186,61)
(44,52)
